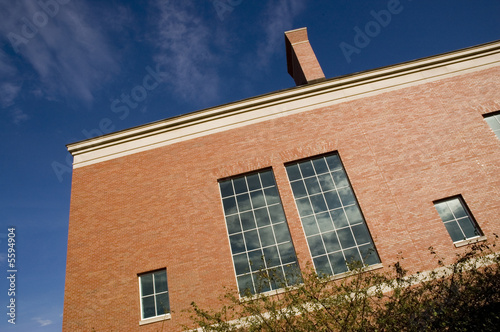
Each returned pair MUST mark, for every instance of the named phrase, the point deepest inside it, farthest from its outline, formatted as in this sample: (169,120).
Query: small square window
(457,219)
(493,121)
(154,294)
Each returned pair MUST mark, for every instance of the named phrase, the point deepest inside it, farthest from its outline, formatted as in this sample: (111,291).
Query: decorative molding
(283,103)
(469,241)
(155,319)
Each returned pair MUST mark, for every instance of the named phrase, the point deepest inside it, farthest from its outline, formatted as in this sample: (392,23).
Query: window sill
(350,273)
(263,294)
(154,319)
(282,290)
(469,241)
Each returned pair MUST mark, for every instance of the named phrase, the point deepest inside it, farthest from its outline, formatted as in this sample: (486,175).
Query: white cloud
(18,116)
(8,93)
(184,42)
(70,54)
(42,322)
(192,49)
(5,67)
(9,87)
(278,18)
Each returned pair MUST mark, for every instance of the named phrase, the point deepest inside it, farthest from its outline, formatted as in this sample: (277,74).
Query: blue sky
(72,69)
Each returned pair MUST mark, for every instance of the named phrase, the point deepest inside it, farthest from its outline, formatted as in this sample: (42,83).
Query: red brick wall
(161,208)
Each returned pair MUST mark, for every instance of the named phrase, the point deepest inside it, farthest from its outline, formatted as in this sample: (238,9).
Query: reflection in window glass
(493,121)
(258,233)
(154,294)
(457,219)
(332,220)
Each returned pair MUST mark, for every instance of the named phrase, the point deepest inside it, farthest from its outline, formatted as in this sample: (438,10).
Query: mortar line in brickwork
(405,230)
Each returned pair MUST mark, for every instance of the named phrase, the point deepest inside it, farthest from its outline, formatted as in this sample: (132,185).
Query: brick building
(364,166)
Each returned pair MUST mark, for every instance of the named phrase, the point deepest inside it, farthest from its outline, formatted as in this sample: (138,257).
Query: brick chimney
(301,60)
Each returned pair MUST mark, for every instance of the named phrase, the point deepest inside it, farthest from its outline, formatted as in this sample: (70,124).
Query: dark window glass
(243,202)
(310,225)
(258,200)
(331,241)
(262,216)
(277,214)
(267,179)
(457,219)
(298,188)
(247,220)
(304,206)
(240,185)
(318,203)
(322,265)
(266,236)
(226,188)
(324,222)
(338,262)
(233,224)
(258,233)
(154,294)
(229,206)
(306,168)
(147,284)
(237,244)
(253,182)
(148,307)
(326,182)
(162,304)
(272,196)
(332,220)
(320,166)
(493,121)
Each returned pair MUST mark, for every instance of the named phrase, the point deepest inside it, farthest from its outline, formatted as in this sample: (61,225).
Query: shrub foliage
(462,296)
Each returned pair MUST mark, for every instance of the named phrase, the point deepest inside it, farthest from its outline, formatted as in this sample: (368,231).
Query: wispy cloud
(191,48)
(184,49)
(9,86)
(8,93)
(69,53)
(278,18)
(19,116)
(5,67)
(42,322)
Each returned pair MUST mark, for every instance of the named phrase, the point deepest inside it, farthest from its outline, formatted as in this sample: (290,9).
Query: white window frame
(349,227)
(283,224)
(466,240)
(155,318)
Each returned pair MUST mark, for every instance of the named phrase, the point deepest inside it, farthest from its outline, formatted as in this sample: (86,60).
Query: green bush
(463,296)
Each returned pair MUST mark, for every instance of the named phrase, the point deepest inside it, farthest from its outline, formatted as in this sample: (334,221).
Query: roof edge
(294,93)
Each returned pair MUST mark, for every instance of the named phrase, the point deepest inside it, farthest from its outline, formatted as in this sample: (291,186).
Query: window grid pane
(335,230)
(154,294)
(261,244)
(457,220)
(493,121)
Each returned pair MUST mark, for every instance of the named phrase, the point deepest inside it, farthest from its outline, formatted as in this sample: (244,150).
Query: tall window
(261,245)
(493,121)
(333,224)
(154,294)
(457,219)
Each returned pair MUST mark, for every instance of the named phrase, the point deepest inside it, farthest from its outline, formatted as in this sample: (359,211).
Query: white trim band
(283,103)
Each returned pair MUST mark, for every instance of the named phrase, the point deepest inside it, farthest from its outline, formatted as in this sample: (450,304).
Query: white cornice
(283,103)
